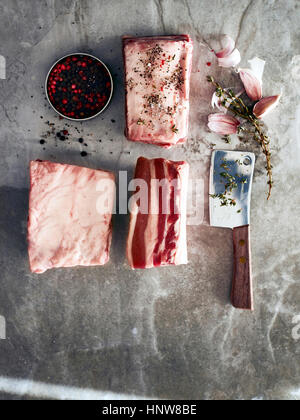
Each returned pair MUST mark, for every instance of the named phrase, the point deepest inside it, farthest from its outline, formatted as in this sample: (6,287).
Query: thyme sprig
(237,106)
(230,183)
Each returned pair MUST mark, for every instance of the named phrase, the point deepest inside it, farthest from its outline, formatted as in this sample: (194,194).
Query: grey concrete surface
(169,332)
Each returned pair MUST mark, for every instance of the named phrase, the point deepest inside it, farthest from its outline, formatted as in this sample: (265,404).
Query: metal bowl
(102,109)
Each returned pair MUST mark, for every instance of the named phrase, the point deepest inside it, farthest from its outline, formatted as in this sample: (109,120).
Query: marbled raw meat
(159,237)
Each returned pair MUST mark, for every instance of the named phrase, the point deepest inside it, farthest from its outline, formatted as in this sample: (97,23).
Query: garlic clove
(230,60)
(252,84)
(223,124)
(265,105)
(228,46)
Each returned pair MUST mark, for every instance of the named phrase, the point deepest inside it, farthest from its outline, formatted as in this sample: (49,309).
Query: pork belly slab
(157,79)
(157,232)
(66,225)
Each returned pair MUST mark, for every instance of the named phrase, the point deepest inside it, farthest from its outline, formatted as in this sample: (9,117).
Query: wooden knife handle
(242,291)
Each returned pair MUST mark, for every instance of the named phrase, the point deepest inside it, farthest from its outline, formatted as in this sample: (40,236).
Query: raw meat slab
(65,226)
(159,237)
(157,79)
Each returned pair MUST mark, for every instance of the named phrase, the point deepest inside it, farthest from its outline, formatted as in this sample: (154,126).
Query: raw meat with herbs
(157,78)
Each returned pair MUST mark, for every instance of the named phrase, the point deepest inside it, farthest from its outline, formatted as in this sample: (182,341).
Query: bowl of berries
(79,86)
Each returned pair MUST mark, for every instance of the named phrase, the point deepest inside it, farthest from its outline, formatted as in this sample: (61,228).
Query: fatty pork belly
(66,224)
(157,79)
(157,232)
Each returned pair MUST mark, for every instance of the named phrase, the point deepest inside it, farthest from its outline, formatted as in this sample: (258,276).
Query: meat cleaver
(231,175)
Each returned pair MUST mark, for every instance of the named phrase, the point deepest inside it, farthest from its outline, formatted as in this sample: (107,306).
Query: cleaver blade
(235,169)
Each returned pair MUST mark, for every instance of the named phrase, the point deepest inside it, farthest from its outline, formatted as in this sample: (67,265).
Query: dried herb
(230,183)
(227,139)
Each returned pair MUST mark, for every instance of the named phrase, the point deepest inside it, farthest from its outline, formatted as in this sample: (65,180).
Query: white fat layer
(181,252)
(65,227)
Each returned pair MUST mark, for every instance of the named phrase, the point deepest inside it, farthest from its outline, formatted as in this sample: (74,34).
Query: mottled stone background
(169,332)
